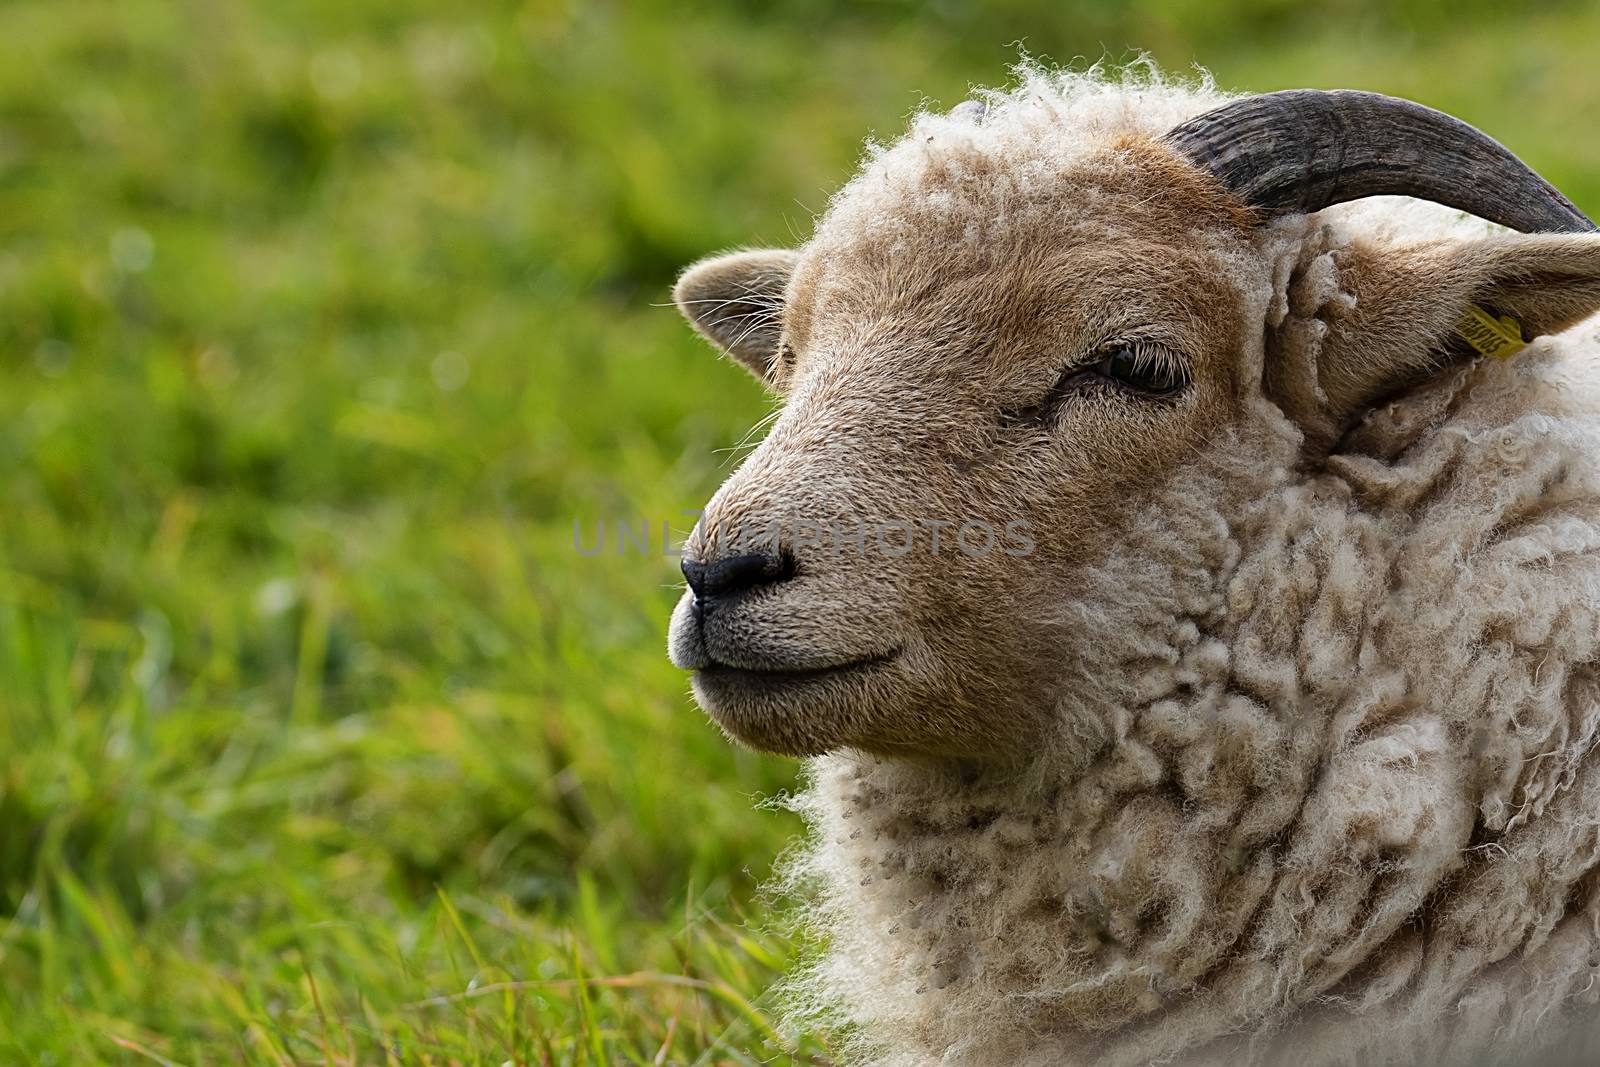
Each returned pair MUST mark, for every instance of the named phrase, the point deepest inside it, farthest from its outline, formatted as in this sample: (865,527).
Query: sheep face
(1001,343)
(970,413)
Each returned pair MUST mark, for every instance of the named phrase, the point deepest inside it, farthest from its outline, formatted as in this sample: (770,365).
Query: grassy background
(319,325)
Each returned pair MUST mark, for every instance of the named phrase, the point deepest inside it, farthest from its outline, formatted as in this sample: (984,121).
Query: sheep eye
(1129,366)
(1141,367)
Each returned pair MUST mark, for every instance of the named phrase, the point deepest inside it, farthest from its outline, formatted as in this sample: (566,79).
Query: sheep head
(1005,335)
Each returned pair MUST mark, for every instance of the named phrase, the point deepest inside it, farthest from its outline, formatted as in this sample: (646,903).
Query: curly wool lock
(1316,780)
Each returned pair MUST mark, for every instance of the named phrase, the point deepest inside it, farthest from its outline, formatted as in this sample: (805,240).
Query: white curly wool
(1348,811)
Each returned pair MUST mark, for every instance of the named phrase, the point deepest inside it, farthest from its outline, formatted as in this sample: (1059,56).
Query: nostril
(694,572)
(738,573)
(735,574)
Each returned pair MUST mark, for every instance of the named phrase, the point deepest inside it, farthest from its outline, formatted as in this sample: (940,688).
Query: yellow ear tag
(1497,338)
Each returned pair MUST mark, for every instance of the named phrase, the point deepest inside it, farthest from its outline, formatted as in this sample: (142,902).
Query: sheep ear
(1399,315)
(736,302)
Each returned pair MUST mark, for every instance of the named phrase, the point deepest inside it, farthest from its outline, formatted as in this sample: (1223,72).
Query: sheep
(1278,744)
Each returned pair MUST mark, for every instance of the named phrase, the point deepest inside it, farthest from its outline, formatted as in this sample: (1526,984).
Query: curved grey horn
(1302,150)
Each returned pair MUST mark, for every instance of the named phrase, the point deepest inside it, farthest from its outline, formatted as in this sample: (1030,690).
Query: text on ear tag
(1497,338)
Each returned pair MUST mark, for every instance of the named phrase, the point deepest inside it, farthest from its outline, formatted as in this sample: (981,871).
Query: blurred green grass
(319,326)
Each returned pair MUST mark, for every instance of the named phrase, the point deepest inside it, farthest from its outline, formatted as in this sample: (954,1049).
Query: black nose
(735,574)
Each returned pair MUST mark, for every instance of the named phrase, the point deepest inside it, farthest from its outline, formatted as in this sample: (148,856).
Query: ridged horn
(1302,150)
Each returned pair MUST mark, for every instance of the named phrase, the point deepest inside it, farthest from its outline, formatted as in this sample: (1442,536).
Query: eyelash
(1167,371)
(1142,367)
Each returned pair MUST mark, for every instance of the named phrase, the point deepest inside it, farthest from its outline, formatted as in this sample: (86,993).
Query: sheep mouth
(779,676)
(797,711)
